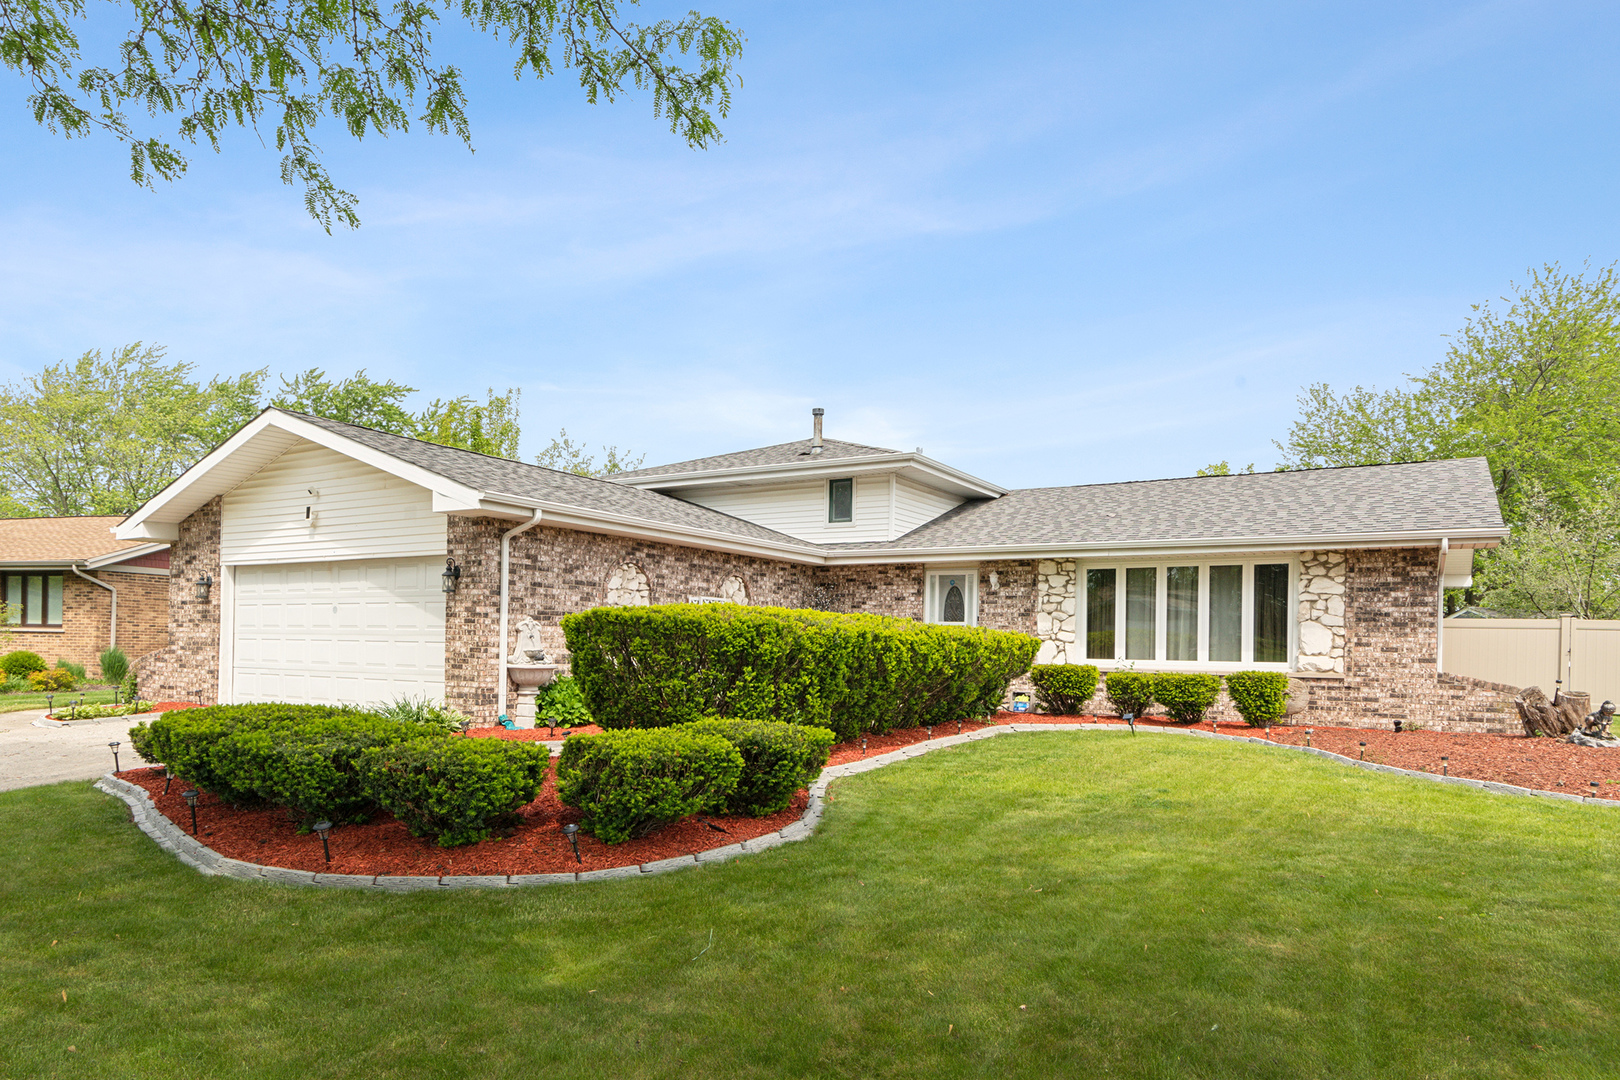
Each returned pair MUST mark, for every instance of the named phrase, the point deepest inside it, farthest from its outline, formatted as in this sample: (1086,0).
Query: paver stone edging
(205,860)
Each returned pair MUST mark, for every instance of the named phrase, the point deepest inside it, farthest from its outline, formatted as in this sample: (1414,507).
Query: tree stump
(1559,716)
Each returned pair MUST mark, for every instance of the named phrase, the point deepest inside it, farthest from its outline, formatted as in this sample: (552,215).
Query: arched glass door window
(952,597)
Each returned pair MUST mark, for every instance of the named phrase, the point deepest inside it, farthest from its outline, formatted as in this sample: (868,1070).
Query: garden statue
(529,649)
(1594,730)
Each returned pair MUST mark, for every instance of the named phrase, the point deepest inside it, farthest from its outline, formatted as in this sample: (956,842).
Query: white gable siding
(916,505)
(800,509)
(360,513)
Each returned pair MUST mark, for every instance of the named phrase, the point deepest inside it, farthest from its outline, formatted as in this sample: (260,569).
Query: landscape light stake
(116,691)
(1308,733)
(1130,718)
(465,724)
(191,800)
(863,746)
(50,704)
(572,832)
(1445,765)
(1594,789)
(168,778)
(1397,727)
(115,745)
(959,727)
(1215,726)
(1363,751)
(323,827)
(930,731)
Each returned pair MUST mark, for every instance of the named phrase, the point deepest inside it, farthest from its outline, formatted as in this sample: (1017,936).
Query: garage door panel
(339,633)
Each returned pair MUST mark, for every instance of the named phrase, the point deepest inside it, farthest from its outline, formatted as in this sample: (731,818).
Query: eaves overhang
(923,468)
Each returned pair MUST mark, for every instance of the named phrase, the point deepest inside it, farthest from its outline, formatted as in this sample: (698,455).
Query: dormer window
(840,500)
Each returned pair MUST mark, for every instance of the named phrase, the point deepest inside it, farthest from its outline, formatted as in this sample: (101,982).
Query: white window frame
(932,598)
(854,490)
(1161,611)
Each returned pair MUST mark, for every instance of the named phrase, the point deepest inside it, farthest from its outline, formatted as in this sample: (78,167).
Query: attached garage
(351,632)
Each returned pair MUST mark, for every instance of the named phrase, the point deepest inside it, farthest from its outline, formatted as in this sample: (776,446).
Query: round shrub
(1260,697)
(22,663)
(778,760)
(52,680)
(1063,689)
(630,782)
(1130,691)
(1186,696)
(454,790)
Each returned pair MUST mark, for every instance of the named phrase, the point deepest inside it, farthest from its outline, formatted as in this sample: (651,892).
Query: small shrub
(131,690)
(15,684)
(22,663)
(51,681)
(778,760)
(1063,689)
(114,665)
(453,789)
(98,712)
(1260,697)
(1130,691)
(76,669)
(1186,696)
(630,782)
(433,715)
(562,703)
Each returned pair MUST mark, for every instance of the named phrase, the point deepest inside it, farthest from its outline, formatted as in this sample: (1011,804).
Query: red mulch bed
(267,835)
(539,734)
(171,706)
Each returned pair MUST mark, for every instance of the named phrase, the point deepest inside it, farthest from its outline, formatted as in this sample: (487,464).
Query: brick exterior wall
(143,618)
(187,668)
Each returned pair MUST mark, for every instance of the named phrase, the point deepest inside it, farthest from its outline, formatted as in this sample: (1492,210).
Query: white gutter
(112,635)
(1440,615)
(506,593)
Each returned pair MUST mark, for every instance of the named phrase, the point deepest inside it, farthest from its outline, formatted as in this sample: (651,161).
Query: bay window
(1186,614)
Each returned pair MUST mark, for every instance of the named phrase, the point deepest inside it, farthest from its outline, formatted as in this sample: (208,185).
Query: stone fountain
(528,669)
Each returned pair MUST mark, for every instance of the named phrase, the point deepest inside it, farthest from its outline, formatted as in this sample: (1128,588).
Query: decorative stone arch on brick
(734,590)
(627,587)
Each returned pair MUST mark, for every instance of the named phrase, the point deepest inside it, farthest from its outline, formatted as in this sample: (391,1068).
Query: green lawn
(19,702)
(1164,907)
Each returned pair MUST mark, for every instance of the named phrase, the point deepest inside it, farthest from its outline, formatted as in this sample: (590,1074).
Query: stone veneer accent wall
(187,669)
(1055,618)
(1321,611)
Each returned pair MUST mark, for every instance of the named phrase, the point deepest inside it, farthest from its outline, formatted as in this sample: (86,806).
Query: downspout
(1440,619)
(506,560)
(112,633)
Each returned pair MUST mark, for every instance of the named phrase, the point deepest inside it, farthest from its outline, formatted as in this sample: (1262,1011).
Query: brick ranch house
(72,589)
(310,560)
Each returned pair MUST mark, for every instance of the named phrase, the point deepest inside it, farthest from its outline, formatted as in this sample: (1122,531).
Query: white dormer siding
(886,506)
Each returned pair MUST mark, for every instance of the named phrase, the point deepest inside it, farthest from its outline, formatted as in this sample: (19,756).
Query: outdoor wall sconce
(451,575)
(323,827)
(572,832)
(115,745)
(204,583)
(191,800)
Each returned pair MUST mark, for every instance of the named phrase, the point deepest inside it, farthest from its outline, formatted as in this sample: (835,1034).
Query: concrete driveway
(36,755)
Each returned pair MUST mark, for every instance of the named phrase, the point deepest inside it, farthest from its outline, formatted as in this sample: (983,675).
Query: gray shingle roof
(493,474)
(1369,499)
(791,453)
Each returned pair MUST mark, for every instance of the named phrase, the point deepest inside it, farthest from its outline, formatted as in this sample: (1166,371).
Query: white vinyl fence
(1584,653)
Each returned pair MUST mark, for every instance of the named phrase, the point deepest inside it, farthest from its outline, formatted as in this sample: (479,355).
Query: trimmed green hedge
(778,760)
(630,782)
(1186,696)
(1130,692)
(1260,697)
(453,790)
(677,663)
(1063,689)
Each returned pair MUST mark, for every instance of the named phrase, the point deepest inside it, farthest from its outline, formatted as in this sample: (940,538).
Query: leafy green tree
(490,428)
(355,400)
(1560,559)
(565,455)
(209,67)
(102,434)
(1222,468)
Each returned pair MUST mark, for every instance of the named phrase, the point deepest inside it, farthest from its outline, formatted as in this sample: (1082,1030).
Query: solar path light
(114,745)
(1445,765)
(190,795)
(863,746)
(571,831)
(1308,733)
(1363,751)
(1130,718)
(168,778)
(323,827)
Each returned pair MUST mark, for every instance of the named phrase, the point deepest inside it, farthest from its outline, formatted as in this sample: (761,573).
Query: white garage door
(339,632)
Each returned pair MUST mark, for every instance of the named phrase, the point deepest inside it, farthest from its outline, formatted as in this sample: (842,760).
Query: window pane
(1271,614)
(1226,613)
(14,598)
(841,500)
(952,593)
(1181,613)
(53,600)
(1141,604)
(33,606)
(1099,614)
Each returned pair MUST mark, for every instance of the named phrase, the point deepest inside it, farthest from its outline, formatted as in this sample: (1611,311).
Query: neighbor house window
(33,599)
(953,597)
(1189,614)
(841,500)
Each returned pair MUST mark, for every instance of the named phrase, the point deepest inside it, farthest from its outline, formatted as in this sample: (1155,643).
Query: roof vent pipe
(815,441)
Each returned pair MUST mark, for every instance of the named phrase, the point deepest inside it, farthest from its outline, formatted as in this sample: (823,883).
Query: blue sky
(1049,244)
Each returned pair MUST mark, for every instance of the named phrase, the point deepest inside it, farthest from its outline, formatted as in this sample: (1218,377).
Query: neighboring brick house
(72,589)
(318,561)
